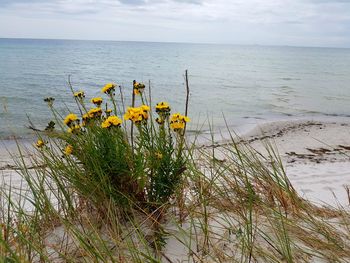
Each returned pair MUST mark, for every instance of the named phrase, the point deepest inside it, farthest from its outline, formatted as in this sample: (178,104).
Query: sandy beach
(315,154)
(9,153)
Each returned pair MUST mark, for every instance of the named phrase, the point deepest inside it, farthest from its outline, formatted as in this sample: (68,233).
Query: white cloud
(281,22)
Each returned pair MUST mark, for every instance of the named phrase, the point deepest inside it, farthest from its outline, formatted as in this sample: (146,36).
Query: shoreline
(315,154)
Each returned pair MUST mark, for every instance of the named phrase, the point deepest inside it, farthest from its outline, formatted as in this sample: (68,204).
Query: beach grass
(107,190)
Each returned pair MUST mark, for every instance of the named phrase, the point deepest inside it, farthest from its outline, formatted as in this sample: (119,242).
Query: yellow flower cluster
(79,94)
(97,101)
(162,107)
(108,112)
(178,121)
(138,87)
(163,110)
(70,118)
(40,143)
(138,114)
(108,88)
(95,112)
(72,122)
(68,150)
(111,121)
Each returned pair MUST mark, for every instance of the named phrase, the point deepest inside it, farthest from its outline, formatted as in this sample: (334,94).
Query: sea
(229,85)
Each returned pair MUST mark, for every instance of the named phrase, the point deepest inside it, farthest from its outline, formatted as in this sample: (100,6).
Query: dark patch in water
(290,79)
(336,115)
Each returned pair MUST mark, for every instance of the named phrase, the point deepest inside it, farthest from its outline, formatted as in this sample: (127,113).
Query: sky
(252,22)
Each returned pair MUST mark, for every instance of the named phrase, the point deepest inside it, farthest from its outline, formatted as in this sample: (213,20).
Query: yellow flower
(40,143)
(85,118)
(68,150)
(138,87)
(145,108)
(178,121)
(179,117)
(97,101)
(79,94)
(95,112)
(177,125)
(162,107)
(76,128)
(105,125)
(70,118)
(175,116)
(186,119)
(108,88)
(111,121)
(163,110)
(137,114)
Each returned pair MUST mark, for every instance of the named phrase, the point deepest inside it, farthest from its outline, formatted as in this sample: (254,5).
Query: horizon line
(174,42)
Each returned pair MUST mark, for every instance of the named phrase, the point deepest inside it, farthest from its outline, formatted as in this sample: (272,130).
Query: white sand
(316,156)
(9,176)
(315,153)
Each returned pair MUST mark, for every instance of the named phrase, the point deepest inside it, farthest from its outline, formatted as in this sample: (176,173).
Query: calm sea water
(244,83)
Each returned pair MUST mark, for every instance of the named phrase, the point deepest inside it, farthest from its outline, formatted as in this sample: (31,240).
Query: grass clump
(135,162)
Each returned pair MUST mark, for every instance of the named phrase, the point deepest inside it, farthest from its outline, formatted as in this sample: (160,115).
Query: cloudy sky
(264,22)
